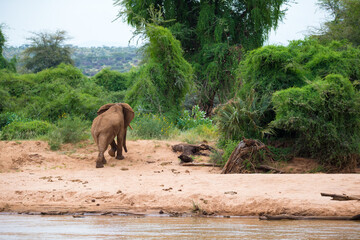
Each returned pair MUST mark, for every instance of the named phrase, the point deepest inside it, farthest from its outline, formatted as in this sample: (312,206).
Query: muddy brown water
(125,227)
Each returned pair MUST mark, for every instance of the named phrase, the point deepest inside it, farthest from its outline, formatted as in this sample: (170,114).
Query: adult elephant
(112,121)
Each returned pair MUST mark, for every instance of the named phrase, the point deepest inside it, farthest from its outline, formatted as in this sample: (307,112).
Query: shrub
(195,118)
(111,80)
(324,59)
(68,130)
(149,126)
(25,130)
(243,118)
(325,116)
(268,69)
(68,73)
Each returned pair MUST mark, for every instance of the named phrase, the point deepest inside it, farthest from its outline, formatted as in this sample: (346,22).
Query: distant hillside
(92,59)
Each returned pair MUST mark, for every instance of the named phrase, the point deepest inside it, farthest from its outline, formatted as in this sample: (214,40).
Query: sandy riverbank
(150,180)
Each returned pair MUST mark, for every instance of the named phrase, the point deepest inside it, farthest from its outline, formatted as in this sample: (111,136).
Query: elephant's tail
(124,141)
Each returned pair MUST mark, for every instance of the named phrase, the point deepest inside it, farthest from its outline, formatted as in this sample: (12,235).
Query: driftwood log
(341,197)
(249,156)
(189,149)
(293,217)
(200,164)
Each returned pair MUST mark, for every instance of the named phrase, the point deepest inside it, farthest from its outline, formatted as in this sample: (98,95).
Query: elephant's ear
(128,113)
(104,108)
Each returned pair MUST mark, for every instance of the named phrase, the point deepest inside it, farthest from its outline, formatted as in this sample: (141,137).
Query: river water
(130,227)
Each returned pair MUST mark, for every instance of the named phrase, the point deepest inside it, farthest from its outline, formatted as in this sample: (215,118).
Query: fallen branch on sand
(340,197)
(292,217)
(200,164)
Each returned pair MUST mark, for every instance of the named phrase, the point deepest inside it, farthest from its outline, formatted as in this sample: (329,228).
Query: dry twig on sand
(341,197)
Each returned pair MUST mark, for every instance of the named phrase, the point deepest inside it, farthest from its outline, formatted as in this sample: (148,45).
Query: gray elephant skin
(112,121)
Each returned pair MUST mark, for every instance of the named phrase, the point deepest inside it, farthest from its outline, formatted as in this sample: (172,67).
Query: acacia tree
(47,50)
(213,35)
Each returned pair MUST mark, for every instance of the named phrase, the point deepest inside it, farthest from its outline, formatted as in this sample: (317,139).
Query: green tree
(212,34)
(345,23)
(47,50)
(165,78)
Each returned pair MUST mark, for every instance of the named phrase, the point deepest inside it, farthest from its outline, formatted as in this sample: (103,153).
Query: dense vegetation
(212,33)
(291,94)
(303,98)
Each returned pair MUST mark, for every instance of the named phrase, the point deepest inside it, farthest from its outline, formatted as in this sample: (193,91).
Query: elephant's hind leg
(120,142)
(100,161)
(113,148)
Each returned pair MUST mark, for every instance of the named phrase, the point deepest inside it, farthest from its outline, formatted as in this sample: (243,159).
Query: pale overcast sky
(90,22)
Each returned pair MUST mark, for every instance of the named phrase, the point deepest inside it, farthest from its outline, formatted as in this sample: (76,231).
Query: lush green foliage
(68,130)
(193,119)
(164,79)
(24,130)
(298,66)
(325,115)
(240,118)
(215,69)
(268,69)
(49,94)
(345,23)
(46,50)
(111,80)
(319,59)
(212,34)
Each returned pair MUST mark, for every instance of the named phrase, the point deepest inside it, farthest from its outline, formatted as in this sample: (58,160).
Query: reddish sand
(35,179)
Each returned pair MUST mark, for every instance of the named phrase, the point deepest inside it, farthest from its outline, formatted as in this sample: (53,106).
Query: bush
(25,130)
(243,118)
(195,118)
(68,130)
(149,126)
(325,117)
(50,93)
(268,69)
(324,59)
(111,80)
